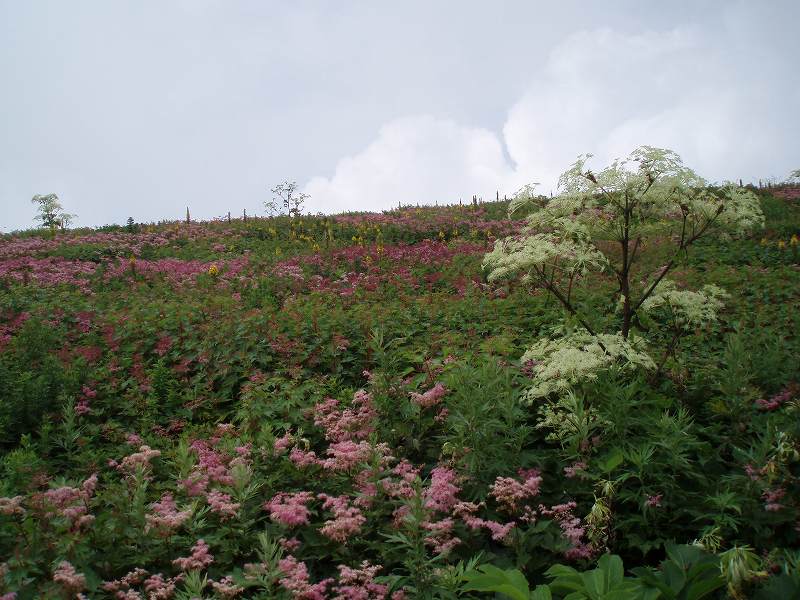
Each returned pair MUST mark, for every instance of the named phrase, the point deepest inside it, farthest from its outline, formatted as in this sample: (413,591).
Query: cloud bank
(720,101)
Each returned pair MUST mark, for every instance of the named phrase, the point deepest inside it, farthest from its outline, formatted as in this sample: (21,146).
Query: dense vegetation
(316,407)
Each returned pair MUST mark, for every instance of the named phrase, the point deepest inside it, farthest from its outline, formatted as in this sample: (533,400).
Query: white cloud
(414,159)
(711,98)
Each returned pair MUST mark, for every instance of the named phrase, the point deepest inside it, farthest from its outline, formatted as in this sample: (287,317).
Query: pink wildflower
(158,588)
(440,537)
(571,527)
(226,588)
(509,492)
(296,580)
(572,470)
(12,506)
(289,508)
(441,493)
(359,583)
(66,576)
(221,504)
(303,459)
(289,545)
(431,397)
(347,520)
(654,501)
(199,559)
(354,423)
(166,516)
(771,498)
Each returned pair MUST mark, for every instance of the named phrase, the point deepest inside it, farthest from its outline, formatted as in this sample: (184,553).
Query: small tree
(51,213)
(603,222)
(286,196)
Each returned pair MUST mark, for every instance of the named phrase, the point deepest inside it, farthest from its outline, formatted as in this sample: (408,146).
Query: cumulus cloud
(417,159)
(721,101)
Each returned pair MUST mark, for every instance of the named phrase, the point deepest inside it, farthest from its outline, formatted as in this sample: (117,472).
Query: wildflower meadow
(594,395)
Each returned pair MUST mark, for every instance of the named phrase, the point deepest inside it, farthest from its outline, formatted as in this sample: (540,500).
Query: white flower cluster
(564,249)
(688,309)
(564,362)
(655,186)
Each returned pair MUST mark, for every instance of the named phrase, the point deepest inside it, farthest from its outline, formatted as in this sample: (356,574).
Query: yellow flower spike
(132,260)
(764,241)
(781,244)
(277,251)
(213,270)
(794,240)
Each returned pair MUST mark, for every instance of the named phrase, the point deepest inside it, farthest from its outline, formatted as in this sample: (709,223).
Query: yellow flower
(764,241)
(781,244)
(213,270)
(794,240)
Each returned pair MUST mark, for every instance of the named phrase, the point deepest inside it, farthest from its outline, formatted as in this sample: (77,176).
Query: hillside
(270,403)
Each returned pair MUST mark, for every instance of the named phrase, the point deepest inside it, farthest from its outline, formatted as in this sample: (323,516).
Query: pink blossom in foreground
(654,501)
(359,583)
(776,401)
(122,587)
(289,508)
(141,459)
(198,560)
(431,397)
(441,493)
(571,527)
(353,423)
(66,576)
(771,499)
(440,536)
(226,588)
(347,520)
(467,510)
(573,470)
(165,516)
(12,506)
(303,459)
(509,492)
(222,504)
(158,588)
(296,580)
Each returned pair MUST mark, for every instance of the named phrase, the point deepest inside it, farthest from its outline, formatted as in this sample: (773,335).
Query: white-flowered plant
(602,221)
(559,364)
(687,309)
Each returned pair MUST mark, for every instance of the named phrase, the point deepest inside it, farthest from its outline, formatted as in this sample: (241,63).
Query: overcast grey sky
(141,108)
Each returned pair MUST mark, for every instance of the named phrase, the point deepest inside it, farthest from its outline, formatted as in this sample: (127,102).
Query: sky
(144,108)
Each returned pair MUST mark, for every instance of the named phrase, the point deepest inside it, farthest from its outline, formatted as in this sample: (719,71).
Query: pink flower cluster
(289,508)
(571,527)
(347,520)
(353,423)
(297,581)
(199,559)
(71,503)
(431,397)
(467,510)
(510,492)
(441,493)
(68,577)
(138,460)
(772,499)
(776,401)
(87,394)
(359,584)
(166,517)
